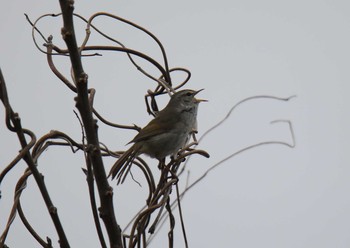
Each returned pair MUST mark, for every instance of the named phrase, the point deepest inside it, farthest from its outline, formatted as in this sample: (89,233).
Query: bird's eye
(188,94)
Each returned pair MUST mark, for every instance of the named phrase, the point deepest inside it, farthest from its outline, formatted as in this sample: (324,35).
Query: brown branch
(165,60)
(130,51)
(90,181)
(21,184)
(54,69)
(134,127)
(13,163)
(14,124)
(88,32)
(82,103)
(120,49)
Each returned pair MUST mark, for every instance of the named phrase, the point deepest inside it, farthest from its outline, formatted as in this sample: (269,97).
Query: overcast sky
(272,196)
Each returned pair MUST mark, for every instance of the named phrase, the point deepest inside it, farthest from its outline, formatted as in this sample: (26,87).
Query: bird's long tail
(123,162)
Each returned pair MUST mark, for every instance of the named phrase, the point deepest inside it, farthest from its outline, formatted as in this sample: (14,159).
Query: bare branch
(14,124)
(82,103)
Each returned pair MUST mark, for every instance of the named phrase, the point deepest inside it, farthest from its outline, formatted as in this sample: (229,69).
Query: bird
(167,133)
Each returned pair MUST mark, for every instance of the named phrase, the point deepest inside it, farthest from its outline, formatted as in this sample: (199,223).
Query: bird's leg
(194,143)
(193,133)
(161,163)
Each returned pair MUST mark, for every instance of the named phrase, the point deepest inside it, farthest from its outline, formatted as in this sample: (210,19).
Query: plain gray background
(272,196)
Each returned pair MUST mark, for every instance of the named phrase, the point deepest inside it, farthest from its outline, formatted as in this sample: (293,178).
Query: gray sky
(272,196)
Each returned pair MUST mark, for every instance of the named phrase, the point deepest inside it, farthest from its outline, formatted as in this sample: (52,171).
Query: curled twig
(165,60)
(53,68)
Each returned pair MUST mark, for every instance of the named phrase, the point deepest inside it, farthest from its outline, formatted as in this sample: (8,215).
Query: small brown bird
(167,133)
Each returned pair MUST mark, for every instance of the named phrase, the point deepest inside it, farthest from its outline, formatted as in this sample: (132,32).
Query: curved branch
(166,75)
(54,69)
(130,51)
(239,103)
(134,127)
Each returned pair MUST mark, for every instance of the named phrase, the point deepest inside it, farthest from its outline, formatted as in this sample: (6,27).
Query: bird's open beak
(199,100)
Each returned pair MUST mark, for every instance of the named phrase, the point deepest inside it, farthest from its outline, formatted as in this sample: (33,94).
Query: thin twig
(181,217)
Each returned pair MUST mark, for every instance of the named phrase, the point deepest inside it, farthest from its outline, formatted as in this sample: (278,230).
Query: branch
(14,124)
(93,151)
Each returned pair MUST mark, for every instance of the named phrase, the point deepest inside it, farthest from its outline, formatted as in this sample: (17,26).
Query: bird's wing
(155,127)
